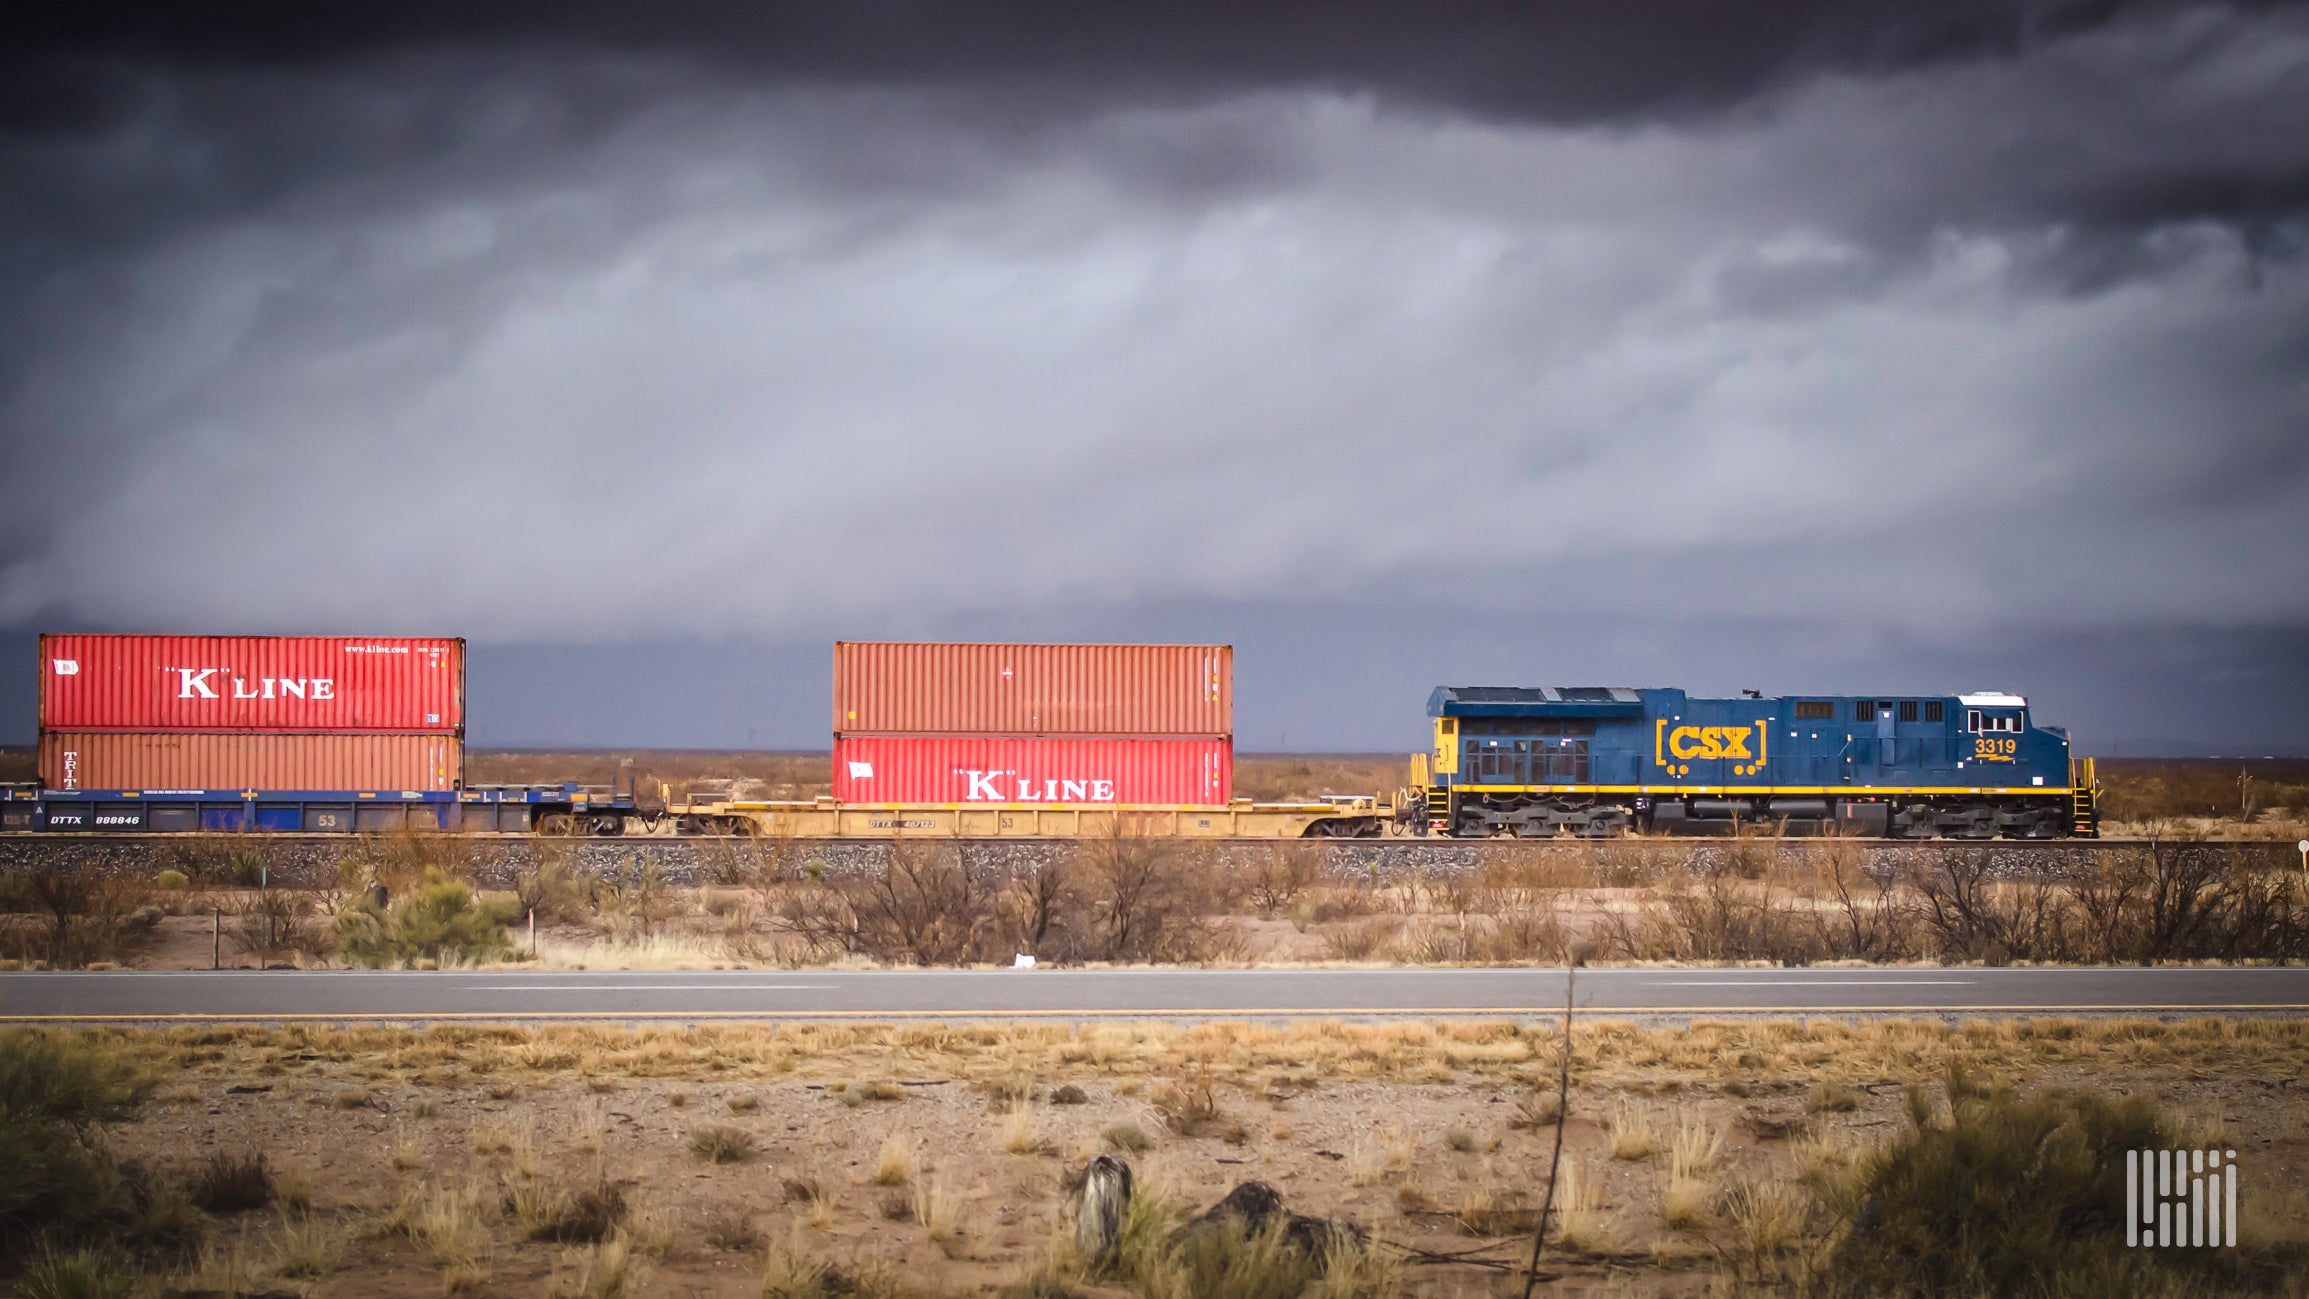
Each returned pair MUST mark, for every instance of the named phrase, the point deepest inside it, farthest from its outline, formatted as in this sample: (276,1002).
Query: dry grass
(1832,1097)
(1423,1190)
(897,1163)
(1768,1214)
(657,951)
(1635,1135)
(450,1224)
(936,1209)
(1582,1224)
(406,1153)
(1694,1159)
(591,1131)
(493,1139)
(790,1272)
(304,1248)
(719,1143)
(1019,1134)
(1710,1052)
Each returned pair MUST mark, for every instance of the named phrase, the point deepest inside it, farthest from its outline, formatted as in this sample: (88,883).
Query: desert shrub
(1832,1097)
(550,884)
(273,920)
(1149,896)
(69,916)
(233,1183)
(1975,914)
(580,1219)
(2012,1195)
(2176,899)
(924,906)
(78,1274)
(1041,910)
(721,1144)
(638,898)
(56,1091)
(231,860)
(1190,1108)
(1275,876)
(441,921)
(175,881)
(1360,940)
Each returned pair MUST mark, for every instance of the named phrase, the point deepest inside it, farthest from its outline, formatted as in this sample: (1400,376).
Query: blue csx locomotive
(1597,760)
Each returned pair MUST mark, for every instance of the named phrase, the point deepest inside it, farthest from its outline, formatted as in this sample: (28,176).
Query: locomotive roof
(1614,701)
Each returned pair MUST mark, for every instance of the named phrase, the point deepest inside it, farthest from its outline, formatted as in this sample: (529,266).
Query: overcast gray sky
(1852,347)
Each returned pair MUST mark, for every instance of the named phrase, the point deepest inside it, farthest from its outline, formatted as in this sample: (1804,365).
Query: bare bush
(1042,909)
(924,907)
(1855,914)
(1278,874)
(1146,896)
(67,917)
(1975,915)
(274,921)
(637,899)
(551,885)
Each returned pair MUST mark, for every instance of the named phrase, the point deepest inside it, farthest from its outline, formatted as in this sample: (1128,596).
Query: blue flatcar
(1599,760)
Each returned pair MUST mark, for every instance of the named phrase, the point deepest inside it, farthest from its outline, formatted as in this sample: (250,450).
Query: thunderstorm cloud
(1536,342)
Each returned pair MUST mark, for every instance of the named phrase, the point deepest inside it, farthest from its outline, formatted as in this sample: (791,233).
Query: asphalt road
(1082,994)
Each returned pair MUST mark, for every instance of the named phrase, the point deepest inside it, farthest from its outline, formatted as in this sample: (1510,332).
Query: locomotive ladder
(2084,799)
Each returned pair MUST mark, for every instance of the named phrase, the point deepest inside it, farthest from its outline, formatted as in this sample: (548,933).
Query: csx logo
(1709,742)
(1677,749)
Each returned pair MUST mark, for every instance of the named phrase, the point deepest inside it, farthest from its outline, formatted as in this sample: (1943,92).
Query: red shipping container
(252,683)
(1017,769)
(917,688)
(180,760)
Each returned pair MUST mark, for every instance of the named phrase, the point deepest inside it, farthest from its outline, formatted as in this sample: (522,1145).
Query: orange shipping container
(380,684)
(1049,769)
(184,761)
(937,688)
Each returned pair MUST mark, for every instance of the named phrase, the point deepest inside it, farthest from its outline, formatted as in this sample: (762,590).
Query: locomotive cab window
(1991,724)
(1810,710)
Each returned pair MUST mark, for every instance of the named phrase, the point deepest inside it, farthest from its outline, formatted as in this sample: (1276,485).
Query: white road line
(1812,983)
(650,987)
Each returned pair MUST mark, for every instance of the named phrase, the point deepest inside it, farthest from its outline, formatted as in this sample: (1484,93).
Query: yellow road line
(1241,1012)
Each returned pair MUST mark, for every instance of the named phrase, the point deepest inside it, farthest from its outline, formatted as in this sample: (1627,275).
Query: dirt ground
(1424,1135)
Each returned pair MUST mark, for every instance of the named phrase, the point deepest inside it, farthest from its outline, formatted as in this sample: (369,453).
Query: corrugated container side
(179,760)
(1018,769)
(930,688)
(252,683)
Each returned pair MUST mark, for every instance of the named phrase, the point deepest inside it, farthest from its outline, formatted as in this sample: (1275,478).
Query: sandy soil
(1395,1128)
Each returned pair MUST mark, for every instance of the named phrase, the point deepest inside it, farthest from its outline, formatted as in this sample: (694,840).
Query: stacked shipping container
(993,723)
(251,712)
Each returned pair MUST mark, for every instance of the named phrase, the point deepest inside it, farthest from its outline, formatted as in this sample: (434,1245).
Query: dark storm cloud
(1564,60)
(1899,328)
